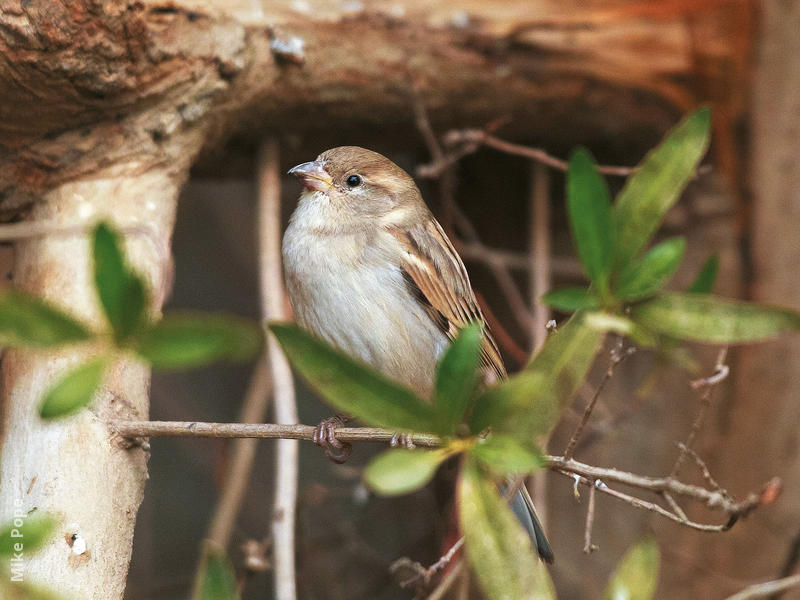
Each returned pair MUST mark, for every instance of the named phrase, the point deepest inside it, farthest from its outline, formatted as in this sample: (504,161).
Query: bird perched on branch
(370,270)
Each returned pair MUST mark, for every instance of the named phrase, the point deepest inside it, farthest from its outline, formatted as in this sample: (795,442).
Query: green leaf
(353,387)
(706,277)
(74,390)
(636,576)
(28,321)
(589,207)
(646,276)
(122,292)
(504,454)
(186,340)
(530,403)
(657,184)
(30,533)
(216,579)
(400,471)
(571,299)
(497,547)
(456,379)
(705,318)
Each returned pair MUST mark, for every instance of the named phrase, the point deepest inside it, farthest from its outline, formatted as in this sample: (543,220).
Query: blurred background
(612,76)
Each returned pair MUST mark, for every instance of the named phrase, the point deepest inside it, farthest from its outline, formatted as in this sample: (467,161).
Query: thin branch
(585,474)
(237,479)
(563,266)
(708,384)
(285,409)
(762,590)
(139,429)
(539,283)
(468,141)
(447,582)
(618,355)
(588,546)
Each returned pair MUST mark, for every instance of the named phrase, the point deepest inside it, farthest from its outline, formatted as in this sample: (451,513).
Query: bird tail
(522,506)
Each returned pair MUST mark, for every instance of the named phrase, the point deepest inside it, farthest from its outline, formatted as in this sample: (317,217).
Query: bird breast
(345,288)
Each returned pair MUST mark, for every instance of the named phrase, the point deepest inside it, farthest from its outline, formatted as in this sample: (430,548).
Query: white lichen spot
(352,7)
(78,544)
(289,48)
(398,11)
(301,6)
(459,19)
(85,209)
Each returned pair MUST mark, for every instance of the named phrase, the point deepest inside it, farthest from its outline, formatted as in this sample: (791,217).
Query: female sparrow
(370,270)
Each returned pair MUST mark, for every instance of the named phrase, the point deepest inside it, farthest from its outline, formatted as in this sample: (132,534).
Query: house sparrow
(370,270)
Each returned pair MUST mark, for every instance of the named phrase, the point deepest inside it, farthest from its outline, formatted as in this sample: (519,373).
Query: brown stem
(272,294)
(588,546)
(618,354)
(709,384)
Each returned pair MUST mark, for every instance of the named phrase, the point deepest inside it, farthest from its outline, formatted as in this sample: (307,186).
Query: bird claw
(402,440)
(325,438)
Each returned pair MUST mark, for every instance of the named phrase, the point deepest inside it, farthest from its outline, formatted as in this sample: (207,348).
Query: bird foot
(402,440)
(325,438)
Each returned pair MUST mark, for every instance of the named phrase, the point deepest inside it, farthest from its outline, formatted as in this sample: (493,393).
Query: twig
(588,546)
(447,582)
(285,409)
(704,471)
(504,339)
(564,266)
(539,252)
(673,504)
(762,590)
(585,474)
(708,384)
(447,180)
(470,140)
(453,214)
(618,354)
(237,477)
(539,282)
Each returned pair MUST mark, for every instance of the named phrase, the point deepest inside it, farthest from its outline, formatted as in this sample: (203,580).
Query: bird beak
(313,175)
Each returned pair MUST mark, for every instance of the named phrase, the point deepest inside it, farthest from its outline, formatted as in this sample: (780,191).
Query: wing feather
(438,280)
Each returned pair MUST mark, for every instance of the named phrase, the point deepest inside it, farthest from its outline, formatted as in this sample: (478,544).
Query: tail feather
(522,506)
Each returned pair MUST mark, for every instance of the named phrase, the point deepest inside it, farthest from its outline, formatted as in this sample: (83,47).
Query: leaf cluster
(177,341)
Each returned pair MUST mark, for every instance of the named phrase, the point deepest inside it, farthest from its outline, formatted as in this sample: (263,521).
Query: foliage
(216,579)
(636,576)
(495,429)
(176,341)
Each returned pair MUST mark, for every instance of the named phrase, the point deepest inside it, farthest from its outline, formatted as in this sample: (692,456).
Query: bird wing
(436,277)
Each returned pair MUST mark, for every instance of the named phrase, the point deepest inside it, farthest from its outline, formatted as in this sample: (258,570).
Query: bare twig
(467,141)
(583,473)
(708,385)
(447,582)
(285,409)
(588,546)
(238,471)
(539,281)
(564,266)
(762,590)
(618,354)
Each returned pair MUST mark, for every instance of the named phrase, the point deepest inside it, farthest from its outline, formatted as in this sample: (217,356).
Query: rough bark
(75,468)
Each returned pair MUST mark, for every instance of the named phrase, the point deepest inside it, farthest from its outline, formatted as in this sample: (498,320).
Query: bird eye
(353,181)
